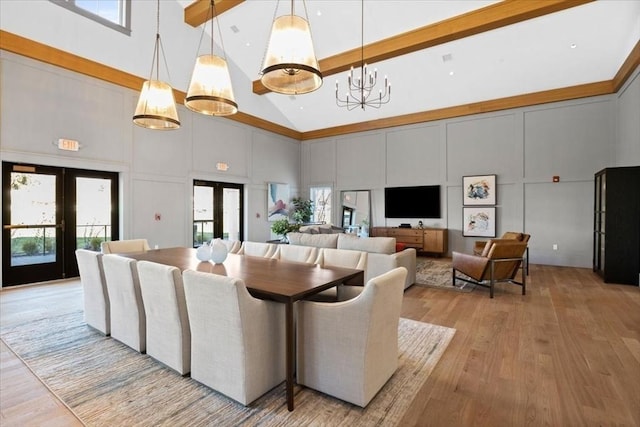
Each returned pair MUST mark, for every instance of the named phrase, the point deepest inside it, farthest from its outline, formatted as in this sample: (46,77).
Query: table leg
(290,350)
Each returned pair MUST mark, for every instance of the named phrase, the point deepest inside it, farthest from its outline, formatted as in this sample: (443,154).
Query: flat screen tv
(412,202)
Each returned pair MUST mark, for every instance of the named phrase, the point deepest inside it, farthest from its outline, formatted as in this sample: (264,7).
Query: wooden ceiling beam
(630,64)
(474,22)
(197,12)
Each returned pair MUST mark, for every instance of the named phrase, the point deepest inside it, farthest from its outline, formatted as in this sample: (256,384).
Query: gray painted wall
(627,151)
(524,147)
(41,103)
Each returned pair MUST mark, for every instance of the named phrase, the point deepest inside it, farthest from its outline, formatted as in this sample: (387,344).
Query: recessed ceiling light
(319,12)
(573,45)
(451,73)
(247,44)
(302,108)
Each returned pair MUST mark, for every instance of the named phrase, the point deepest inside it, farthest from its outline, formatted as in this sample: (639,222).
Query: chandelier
(361,88)
(290,65)
(156,108)
(210,90)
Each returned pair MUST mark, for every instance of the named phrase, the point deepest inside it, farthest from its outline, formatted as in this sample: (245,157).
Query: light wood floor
(566,354)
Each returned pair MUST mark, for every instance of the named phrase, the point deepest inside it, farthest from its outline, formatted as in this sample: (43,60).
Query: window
(112,13)
(321,198)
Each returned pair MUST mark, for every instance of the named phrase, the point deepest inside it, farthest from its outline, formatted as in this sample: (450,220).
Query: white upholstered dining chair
(233,246)
(265,250)
(124,246)
(128,321)
(307,254)
(345,258)
(168,333)
(94,287)
(369,323)
(237,341)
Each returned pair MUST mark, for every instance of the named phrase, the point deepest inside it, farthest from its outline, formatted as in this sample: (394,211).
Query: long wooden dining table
(265,278)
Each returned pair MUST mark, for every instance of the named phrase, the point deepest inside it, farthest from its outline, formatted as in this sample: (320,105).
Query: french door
(217,211)
(48,213)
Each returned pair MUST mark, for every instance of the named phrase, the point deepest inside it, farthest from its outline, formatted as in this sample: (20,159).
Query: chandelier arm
(360,89)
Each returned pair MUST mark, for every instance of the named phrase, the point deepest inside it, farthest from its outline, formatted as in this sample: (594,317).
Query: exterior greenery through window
(112,13)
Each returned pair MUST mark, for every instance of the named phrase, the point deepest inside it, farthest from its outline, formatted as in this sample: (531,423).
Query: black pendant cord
(362,53)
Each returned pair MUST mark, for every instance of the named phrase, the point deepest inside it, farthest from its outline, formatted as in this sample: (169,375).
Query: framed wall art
(277,201)
(479,190)
(479,222)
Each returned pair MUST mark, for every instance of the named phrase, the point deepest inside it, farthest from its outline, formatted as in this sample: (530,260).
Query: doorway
(49,212)
(218,209)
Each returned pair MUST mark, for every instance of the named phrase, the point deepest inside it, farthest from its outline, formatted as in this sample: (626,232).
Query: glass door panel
(231,214)
(203,201)
(32,224)
(33,218)
(93,212)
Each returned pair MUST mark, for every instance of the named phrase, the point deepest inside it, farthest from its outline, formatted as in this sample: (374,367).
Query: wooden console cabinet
(431,240)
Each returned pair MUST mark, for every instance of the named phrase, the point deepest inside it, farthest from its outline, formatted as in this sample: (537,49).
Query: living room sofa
(382,255)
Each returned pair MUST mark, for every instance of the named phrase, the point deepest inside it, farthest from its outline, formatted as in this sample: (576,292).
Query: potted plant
(282,226)
(302,210)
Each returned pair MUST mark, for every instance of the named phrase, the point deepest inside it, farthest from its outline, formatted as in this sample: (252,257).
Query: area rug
(106,383)
(436,273)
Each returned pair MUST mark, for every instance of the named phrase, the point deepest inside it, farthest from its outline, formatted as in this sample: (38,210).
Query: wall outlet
(555,247)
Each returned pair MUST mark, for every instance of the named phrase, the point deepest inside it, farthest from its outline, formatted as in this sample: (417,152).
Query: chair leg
(524,279)
(453,277)
(492,281)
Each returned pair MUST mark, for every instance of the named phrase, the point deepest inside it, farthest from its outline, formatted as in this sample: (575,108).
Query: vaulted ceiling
(443,58)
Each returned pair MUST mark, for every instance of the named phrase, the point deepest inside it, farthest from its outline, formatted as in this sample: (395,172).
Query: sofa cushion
(309,229)
(379,245)
(317,240)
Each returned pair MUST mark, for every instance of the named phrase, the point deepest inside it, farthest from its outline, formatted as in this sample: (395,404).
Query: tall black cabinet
(616,236)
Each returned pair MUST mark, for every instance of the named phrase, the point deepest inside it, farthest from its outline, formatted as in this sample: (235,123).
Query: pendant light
(290,66)
(156,107)
(210,90)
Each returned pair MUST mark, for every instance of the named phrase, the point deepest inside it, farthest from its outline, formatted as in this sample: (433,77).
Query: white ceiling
(530,56)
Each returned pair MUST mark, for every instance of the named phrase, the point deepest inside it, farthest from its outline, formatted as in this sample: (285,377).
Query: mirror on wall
(356,211)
